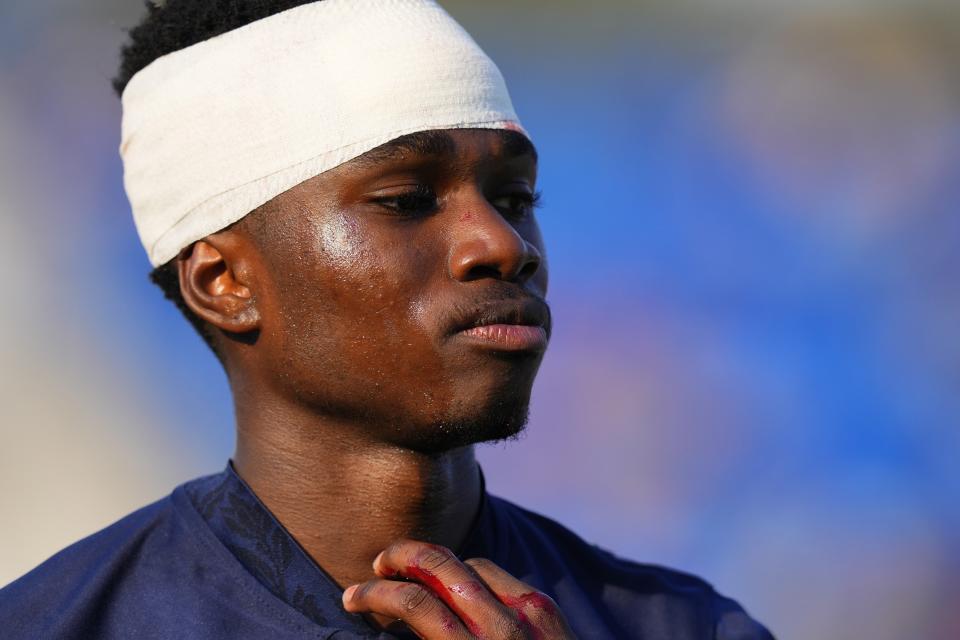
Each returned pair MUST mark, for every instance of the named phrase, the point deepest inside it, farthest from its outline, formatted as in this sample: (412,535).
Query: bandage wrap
(213,131)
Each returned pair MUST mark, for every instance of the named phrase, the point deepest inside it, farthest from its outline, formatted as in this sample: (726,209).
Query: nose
(486,245)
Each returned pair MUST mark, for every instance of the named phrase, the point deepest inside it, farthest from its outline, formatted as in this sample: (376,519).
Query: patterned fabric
(260,543)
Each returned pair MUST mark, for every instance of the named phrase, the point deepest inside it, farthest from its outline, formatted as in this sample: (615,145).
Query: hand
(439,597)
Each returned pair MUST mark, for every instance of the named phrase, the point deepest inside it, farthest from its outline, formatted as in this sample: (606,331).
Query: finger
(534,609)
(438,569)
(412,603)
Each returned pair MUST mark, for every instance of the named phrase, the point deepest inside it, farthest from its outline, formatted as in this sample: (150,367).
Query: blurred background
(751,216)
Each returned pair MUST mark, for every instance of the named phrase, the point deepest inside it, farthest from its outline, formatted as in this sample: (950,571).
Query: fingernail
(348,593)
(376,561)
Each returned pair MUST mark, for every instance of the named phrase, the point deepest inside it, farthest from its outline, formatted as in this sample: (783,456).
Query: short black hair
(176,24)
(167,27)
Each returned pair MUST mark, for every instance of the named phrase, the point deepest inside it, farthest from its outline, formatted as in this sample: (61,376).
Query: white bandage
(215,130)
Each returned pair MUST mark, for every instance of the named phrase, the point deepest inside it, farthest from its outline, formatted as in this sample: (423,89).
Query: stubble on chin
(503,420)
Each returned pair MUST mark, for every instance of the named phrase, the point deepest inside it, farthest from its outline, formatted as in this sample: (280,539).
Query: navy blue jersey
(211,561)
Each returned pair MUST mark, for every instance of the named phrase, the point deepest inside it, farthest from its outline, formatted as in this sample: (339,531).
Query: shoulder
(159,573)
(641,600)
(102,585)
(71,580)
(596,562)
(98,553)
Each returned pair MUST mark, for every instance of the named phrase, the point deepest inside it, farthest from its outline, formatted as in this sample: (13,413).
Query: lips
(509,337)
(513,325)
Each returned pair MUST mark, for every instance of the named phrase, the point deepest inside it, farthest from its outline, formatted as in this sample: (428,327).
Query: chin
(500,420)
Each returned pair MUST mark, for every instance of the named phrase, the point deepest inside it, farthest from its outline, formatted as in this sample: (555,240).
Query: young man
(339,196)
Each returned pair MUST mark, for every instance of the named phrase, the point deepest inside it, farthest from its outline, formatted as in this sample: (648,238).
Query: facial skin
(348,311)
(362,276)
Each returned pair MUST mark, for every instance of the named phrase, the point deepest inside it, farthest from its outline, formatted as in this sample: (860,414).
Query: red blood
(465,217)
(536,600)
(430,581)
(414,572)
(466,589)
(448,623)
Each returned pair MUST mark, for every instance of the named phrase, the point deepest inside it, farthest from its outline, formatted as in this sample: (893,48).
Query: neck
(343,497)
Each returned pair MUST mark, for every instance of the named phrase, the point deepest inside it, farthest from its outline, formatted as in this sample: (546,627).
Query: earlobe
(214,284)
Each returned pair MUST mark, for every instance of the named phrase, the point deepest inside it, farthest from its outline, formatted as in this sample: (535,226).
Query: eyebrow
(516,144)
(441,143)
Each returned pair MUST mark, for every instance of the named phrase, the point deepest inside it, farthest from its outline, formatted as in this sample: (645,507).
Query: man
(339,196)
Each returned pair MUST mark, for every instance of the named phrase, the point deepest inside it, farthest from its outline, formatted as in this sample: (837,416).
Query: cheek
(338,238)
(362,291)
(360,324)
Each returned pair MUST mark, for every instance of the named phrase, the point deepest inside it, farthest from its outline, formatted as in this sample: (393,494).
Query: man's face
(368,274)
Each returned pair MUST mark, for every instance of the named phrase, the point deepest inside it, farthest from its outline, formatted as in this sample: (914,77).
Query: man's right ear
(215,279)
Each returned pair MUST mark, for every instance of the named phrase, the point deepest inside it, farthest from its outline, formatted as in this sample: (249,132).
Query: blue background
(752,227)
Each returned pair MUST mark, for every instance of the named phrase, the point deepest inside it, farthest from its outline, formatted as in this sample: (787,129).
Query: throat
(345,504)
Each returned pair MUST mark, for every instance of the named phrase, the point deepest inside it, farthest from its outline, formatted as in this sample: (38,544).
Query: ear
(214,278)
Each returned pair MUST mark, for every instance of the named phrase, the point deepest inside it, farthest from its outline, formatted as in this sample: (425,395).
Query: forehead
(449,143)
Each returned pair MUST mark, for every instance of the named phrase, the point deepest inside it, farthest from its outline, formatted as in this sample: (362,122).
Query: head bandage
(215,130)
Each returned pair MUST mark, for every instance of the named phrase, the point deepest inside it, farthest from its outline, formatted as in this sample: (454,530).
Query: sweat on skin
(377,318)
(350,216)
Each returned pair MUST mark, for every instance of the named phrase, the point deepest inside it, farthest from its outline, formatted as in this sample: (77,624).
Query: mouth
(522,325)
(509,337)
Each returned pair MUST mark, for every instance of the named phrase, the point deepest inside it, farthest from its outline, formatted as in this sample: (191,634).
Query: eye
(517,205)
(417,201)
